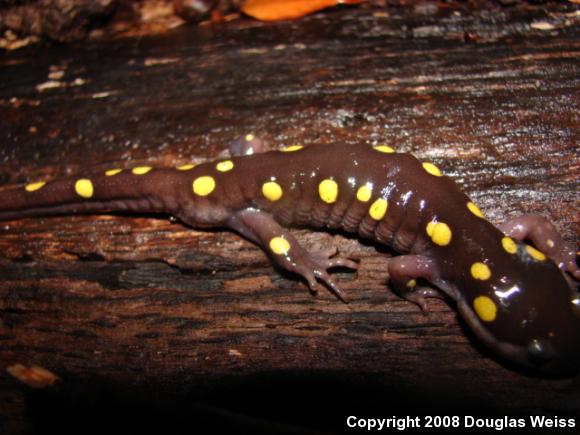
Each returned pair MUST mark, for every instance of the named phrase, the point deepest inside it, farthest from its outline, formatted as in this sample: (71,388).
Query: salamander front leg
(545,237)
(404,271)
(285,250)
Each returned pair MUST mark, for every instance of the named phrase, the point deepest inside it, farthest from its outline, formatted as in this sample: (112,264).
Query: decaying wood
(60,20)
(143,305)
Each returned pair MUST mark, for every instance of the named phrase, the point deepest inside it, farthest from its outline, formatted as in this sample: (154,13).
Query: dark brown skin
(514,297)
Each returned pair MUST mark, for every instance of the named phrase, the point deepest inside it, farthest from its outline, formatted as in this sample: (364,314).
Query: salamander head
(529,315)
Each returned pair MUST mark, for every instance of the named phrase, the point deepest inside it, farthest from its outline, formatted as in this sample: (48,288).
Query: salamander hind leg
(247,145)
(284,249)
(405,270)
(546,238)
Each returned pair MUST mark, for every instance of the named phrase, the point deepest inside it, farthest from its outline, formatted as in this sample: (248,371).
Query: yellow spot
(550,243)
(141,170)
(84,188)
(475,210)
(411,283)
(272,191)
(439,232)
(364,193)
(509,245)
(249,137)
(112,172)
(480,271)
(432,169)
(279,246)
(186,167)
(378,209)
(485,308)
(328,190)
(225,166)
(540,256)
(34,186)
(292,148)
(204,185)
(384,149)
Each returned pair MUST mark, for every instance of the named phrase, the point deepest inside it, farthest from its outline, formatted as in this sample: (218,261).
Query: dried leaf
(33,376)
(273,10)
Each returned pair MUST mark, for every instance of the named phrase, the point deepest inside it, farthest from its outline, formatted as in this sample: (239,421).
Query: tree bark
(141,310)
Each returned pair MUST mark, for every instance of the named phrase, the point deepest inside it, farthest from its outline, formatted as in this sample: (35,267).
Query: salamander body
(514,296)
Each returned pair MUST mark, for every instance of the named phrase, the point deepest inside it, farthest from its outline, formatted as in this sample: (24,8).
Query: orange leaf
(272,10)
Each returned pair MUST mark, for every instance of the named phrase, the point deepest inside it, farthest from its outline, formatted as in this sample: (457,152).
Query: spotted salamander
(514,296)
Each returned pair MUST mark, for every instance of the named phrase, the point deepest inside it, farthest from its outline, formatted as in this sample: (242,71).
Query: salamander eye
(541,349)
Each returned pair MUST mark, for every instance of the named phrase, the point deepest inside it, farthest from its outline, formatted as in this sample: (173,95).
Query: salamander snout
(544,356)
(557,350)
(552,358)
(531,318)
(542,350)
